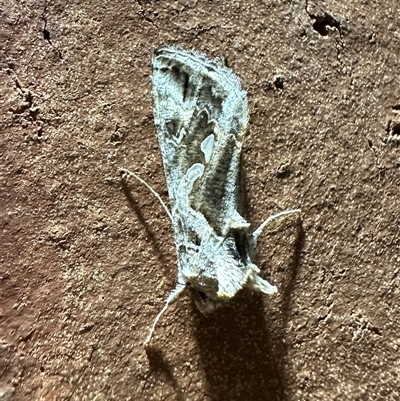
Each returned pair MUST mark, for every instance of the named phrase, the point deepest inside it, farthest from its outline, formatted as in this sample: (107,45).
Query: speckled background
(86,260)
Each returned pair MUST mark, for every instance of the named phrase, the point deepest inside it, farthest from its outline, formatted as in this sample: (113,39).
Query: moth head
(200,272)
(202,284)
(204,302)
(215,267)
(204,290)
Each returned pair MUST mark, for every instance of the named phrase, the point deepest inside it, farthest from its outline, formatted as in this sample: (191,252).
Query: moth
(201,115)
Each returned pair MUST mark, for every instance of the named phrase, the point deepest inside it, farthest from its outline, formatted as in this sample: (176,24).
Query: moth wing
(201,115)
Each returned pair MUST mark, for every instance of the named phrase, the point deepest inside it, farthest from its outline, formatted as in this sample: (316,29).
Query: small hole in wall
(278,82)
(46,35)
(321,24)
(396,129)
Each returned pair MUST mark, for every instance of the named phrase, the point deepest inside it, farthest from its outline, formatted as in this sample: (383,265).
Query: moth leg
(172,297)
(257,232)
(154,192)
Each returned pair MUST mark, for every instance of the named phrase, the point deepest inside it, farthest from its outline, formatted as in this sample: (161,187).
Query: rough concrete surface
(87,260)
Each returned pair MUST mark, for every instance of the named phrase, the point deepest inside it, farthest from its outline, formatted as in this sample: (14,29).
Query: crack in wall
(27,96)
(46,31)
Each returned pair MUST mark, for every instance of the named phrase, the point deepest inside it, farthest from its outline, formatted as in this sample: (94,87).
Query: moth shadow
(160,367)
(242,345)
(240,358)
(150,233)
(288,286)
